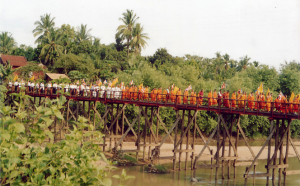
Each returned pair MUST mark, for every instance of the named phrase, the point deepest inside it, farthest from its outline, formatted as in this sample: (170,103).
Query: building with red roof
(15,61)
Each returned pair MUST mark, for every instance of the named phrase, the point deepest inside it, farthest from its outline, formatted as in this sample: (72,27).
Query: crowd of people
(237,100)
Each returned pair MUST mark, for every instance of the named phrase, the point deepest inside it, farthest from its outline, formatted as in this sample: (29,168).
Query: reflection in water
(205,176)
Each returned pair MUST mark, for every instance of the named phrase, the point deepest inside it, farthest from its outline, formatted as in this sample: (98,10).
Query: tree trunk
(127,48)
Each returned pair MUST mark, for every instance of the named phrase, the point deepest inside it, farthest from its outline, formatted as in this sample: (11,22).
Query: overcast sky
(266,31)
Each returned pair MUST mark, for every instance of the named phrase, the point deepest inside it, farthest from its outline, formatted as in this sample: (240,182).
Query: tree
(139,38)
(226,59)
(5,71)
(52,48)
(43,27)
(7,43)
(83,34)
(125,31)
(289,81)
(68,62)
(243,63)
(162,56)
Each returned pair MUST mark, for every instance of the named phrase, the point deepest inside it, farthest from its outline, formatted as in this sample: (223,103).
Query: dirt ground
(244,153)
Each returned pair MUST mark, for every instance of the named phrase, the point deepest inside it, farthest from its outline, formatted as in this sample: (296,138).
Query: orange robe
(135,93)
(251,101)
(283,105)
(296,105)
(164,96)
(127,92)
(269,100)
(159,95)
(263,103)
(173,96)
(210,101)
(185,97)
(124,93)
(233,97)
(215,101)
(193,98)
(226,100)
(277,104)
(179,97)
(291,107)
(241,101)
(146,95)
(200,98)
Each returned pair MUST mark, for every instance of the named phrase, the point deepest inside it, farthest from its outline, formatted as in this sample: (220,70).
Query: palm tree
(82,34)
(7,42)
(125,31)
(226,58)
(52,49)
(244,62)
(139,38)
(43,27)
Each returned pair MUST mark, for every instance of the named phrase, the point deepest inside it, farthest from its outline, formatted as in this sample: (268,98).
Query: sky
(267,31)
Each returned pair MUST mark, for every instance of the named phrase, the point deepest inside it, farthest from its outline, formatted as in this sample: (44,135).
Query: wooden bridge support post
(280,151)
(175,141)
(150,137)
(181,136)
(286,152)
(187,140)
(269,151)
(145,134)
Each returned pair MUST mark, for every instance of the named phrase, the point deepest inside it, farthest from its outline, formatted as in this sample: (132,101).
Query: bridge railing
(160,99)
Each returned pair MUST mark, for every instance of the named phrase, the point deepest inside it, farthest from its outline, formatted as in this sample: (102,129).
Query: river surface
(205,176)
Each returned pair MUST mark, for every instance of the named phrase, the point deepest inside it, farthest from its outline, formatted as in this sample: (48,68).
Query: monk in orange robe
(269,100)
(284,106)
(226,99)
(290,106)
(135,93)
(153,95)
(251,101)
(263,103)
(185,96)
(146,94)
(233,101)
(296,104)
(241,101)
(200,97)
(278,103)
(193,98)
(159,91)
(210,101)
(123,93)
(179,96)
(215,101)
(164,96)
(173,96)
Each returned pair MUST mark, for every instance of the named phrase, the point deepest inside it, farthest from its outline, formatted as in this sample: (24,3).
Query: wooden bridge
(114,119)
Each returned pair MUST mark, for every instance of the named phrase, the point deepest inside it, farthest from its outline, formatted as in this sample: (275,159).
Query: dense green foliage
(27,159)
(80,55)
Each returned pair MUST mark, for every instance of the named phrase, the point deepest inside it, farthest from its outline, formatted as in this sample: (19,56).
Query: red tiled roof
(15,61)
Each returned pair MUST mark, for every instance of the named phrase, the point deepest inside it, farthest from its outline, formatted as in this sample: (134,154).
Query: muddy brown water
(205,176)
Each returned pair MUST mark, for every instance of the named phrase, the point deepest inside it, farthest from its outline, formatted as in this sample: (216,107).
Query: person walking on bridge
(200,97)
(233,101)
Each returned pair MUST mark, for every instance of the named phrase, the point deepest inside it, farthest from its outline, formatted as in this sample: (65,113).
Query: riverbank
(244,153)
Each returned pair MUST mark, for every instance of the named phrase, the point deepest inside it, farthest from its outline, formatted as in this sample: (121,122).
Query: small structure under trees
(52,76)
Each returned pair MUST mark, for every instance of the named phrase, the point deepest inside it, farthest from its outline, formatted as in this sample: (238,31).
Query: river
(205,176)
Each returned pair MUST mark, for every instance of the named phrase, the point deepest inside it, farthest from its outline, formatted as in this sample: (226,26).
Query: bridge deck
(272,114)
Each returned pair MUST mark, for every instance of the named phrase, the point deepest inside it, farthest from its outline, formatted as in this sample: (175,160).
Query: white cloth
(54,85)
(42,86)
(108,91)
(49,85)
(10,84)
(16,83)
(102,91)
